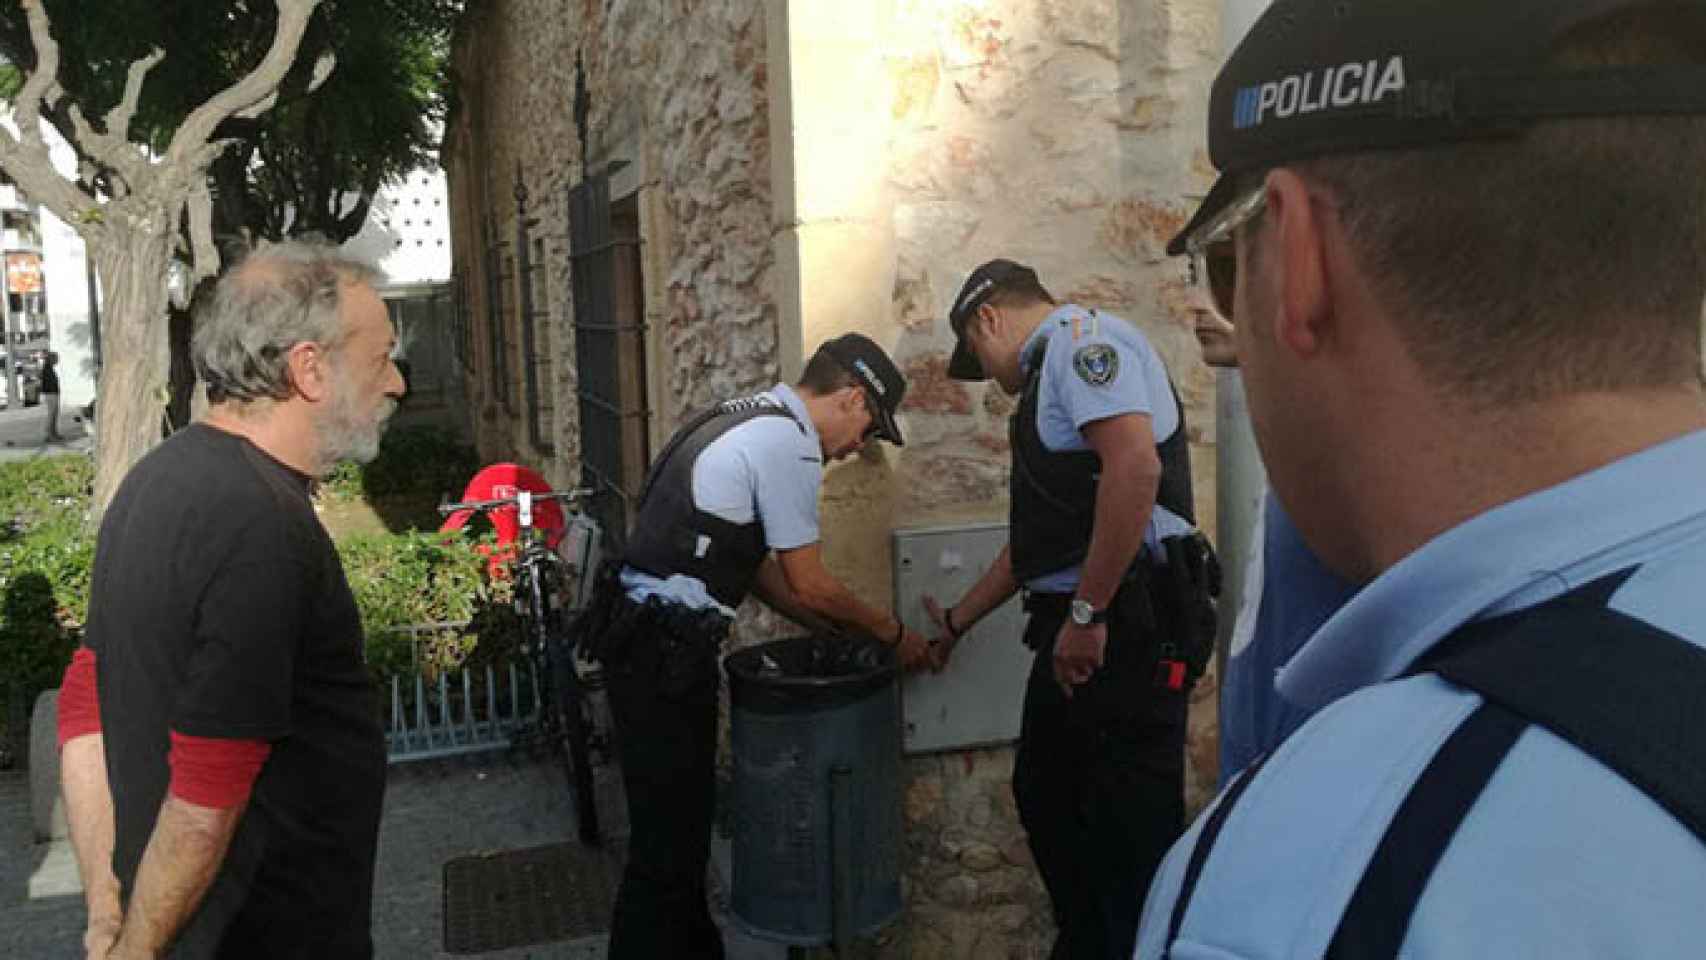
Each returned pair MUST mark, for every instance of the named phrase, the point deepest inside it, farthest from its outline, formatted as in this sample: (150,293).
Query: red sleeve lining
(215,772)
(79,702)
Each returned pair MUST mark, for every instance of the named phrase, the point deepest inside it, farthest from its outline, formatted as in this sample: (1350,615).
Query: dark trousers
(666,721)
(1099,781)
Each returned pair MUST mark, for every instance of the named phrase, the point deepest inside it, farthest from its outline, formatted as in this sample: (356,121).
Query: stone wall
(682,113)
(1064,133)
(970,885)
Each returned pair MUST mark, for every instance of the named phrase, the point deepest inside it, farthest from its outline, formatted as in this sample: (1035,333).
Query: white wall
(408,230)
(65,276)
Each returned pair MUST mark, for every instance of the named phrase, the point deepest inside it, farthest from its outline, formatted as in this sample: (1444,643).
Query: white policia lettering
(1341,86)
(871,378)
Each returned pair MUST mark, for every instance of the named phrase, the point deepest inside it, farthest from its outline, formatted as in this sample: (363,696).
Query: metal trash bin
(815,725)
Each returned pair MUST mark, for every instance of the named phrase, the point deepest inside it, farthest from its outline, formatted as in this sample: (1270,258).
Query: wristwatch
(1085,615)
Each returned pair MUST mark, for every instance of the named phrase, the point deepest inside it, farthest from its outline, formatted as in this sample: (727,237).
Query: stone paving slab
(434,812)
(48,926)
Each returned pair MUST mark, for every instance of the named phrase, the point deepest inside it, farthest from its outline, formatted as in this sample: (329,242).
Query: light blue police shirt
(766,468)
(1559,858)
(1066,401)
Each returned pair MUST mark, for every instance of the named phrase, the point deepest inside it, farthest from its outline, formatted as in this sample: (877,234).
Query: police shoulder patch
(1097,364)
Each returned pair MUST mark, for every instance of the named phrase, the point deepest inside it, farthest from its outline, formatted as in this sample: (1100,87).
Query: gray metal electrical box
(977,699)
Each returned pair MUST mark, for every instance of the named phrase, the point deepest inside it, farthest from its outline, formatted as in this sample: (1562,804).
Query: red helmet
(504,480)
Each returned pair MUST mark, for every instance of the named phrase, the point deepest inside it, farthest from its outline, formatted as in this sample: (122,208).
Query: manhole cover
(520,897)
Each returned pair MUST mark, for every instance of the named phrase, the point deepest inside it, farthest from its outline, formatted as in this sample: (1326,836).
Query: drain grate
(518,897)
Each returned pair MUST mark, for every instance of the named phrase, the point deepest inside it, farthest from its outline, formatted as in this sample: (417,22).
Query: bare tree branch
(44,79)
(113,151)
(350,224)
(93,178)
(322,69)
(257,86)
(260,107)
(206,253)
(31,167)
(25,157)
(204,156)
(118,118)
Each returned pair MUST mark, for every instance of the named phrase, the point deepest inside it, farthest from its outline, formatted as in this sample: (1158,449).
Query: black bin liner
(808,674)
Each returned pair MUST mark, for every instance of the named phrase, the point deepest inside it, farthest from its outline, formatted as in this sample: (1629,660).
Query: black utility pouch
(689,642)
(594,630)
(1192,579)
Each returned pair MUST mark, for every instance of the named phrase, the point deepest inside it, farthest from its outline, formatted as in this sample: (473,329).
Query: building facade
(52,298)
(656,204)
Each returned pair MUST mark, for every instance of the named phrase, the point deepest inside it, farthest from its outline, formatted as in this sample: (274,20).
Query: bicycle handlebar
(567,496)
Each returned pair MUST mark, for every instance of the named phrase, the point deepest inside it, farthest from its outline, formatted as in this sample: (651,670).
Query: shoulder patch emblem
(1097,364)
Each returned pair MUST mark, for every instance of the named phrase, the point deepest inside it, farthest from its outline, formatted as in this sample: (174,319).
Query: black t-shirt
(219,609)
(49,379)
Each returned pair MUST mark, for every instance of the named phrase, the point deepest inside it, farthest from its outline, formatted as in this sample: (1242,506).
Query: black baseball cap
(884,386)
(978,288)
(1317,77)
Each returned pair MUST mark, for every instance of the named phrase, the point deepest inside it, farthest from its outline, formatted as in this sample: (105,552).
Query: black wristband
(948,622)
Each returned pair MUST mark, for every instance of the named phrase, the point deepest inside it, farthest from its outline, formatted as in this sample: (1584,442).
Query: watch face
(1082,612)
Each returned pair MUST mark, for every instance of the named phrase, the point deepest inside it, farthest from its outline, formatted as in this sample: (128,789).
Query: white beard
(345,434)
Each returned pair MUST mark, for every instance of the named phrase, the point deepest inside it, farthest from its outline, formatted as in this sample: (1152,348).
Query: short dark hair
(1021,290)
(1569,258)
(825,374)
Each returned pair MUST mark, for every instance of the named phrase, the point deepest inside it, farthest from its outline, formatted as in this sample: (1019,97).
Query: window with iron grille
(499,272)
(610,358)
(462,334)
(535,313)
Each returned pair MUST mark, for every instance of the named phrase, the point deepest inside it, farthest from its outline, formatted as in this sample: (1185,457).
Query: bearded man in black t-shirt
(238,726)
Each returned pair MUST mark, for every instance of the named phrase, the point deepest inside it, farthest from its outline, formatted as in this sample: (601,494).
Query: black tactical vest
(672,536)
(1053,493)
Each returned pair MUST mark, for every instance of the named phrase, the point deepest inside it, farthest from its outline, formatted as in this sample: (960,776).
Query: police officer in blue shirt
(1463,246)
(1100,480)
(730,508)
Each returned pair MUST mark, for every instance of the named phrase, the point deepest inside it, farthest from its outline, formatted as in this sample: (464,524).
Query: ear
(310,371)
(1304,321)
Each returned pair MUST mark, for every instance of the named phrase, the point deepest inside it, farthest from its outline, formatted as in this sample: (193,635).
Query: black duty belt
(1038,602)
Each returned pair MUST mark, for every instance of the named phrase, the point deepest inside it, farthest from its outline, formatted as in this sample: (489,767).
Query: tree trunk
(131,396)
(181,368)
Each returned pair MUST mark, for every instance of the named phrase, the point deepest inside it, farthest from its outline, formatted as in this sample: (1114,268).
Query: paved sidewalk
(434,812)
(21,433)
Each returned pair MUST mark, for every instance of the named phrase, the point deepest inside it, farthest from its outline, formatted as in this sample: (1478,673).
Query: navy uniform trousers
(1099,779)
(664,702)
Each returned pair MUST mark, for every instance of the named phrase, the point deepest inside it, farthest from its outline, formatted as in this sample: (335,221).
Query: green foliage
(402,580)
(45,560)
(427,461)
(399,580)
(293,168)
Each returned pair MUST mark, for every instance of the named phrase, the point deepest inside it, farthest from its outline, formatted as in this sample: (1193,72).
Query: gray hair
(280,295)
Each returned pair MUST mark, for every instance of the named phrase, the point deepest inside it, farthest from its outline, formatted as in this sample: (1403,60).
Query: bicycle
(563,719)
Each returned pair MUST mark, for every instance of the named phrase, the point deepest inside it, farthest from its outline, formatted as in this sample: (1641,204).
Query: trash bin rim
(736,665)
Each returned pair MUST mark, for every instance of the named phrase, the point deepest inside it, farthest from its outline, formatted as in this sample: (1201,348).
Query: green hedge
(424,461)
(407,579)
(45,559)
(399,580)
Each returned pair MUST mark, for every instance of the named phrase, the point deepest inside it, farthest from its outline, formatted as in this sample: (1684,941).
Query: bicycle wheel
(566,706)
